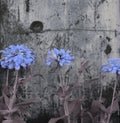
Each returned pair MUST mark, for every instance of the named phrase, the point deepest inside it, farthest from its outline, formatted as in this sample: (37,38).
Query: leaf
(87,117)
(18,120)
(7,100)
(74,106)
(66,91)
(7,121)
(103,117)
(92,80)
(115,107)
(54,120)
(98,110)
(1,98)
(24,111)
(7,90)
(69,89)
(83,66)
(66,110)
(26,79)
(72,87)
(2,105)
(97,107)
(4,112)
(60,92)
(27,102)
(15,109)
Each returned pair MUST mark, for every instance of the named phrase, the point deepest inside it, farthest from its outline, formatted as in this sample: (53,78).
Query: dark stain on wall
(77,22)
(3,9)
(102,1)
(98,16)
(27,2)
(108,49)
(18,14)
(63,3)
(108,39)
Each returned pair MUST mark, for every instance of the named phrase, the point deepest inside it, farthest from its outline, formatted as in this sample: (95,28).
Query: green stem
(101,88)
(61,77)
(82,114)
(7,77)
(101,91)
(65,103)
(66,110)
(113,97)
(13,99)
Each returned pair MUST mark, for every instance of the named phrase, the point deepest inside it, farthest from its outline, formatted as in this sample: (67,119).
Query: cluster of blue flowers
(16,56)
(61,56)
(113,66)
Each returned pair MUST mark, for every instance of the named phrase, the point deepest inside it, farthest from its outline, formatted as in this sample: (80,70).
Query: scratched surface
(89,28)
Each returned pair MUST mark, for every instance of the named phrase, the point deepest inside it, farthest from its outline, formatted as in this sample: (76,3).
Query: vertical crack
(18,13)
(27,2)
(95,14)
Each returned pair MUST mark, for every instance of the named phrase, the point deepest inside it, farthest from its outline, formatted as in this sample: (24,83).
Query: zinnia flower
(16,56)
(61,56)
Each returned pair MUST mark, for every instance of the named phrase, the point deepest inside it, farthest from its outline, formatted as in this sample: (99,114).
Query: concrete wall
(89,28)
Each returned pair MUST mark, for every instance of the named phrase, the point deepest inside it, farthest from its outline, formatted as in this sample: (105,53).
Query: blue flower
(113,66)
(61,56)
(16,56)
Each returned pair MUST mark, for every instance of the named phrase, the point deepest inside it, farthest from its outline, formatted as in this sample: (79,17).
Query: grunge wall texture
(89,28)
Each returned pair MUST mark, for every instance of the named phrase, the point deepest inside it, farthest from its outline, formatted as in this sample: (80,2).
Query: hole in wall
(36,26)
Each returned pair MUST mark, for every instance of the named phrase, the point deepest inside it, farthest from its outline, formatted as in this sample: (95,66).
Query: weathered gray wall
(88,28)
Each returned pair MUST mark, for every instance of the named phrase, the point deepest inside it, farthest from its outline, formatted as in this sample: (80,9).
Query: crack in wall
(73,29)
